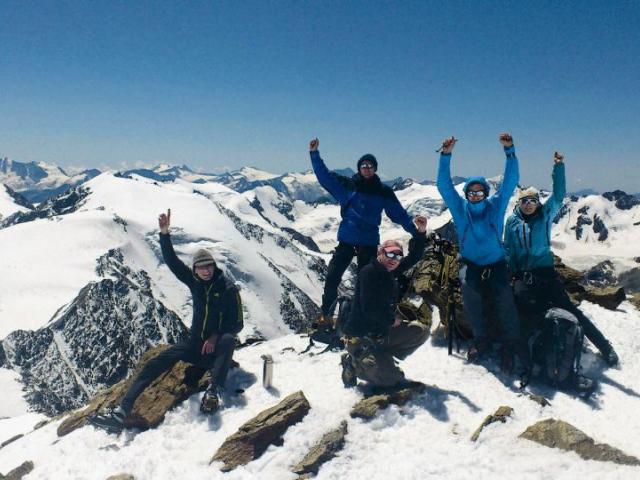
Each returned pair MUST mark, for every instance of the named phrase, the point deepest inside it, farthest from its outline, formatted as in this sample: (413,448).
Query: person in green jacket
(527,241)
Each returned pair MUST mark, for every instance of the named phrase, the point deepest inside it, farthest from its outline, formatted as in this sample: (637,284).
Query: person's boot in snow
(349,378)
(610,356)
(111,421)
(210,400)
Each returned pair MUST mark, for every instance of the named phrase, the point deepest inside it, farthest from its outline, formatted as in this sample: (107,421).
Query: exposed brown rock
(368,407)
(609,297)
(18,472)
(539,399)
(558,434)
(267,428)
(167,391)
(121,476)
(11,440)
(323,451)
(635,300)
(500,415)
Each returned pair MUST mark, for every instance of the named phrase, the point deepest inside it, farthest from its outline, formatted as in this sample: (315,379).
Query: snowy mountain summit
(85,293)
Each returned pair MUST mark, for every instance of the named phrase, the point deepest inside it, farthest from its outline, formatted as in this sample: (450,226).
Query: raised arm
(327,179)
(451,198)
(554,202)
(511,174)
(417,244)
(179,269)
(396,212)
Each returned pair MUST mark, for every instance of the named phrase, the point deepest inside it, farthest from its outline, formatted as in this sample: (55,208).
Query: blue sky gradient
(227,84)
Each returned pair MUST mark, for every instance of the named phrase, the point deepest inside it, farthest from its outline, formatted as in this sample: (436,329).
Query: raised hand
(448,144)
(313,145)
(164,221)
(421,223)
(506,140)
(558,157)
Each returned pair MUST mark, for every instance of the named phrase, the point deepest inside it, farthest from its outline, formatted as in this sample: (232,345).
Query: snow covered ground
(427,438)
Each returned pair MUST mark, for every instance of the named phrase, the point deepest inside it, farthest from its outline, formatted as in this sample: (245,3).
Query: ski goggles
(395,254)
(366,165)
(475,194)
(529,201)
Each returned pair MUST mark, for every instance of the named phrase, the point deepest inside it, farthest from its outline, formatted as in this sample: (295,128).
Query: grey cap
(202,258)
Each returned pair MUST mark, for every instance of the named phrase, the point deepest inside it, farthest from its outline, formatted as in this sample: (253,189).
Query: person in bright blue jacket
(527,238)
(362,199)
(479,223)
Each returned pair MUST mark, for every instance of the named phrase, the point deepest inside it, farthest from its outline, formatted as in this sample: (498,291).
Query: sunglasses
(366,165)
(395,255)
(475,193)
(529,201)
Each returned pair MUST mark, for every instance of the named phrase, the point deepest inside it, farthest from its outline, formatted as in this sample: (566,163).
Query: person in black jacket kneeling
(217,318)
(374,332)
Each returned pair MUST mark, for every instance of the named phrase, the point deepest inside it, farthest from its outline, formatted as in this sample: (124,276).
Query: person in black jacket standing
(374,332)
(217,318)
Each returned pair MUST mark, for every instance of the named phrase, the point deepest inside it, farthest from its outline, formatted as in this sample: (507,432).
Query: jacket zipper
(206,310)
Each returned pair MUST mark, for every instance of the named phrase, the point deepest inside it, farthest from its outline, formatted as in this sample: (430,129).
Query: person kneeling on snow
(528,245)
(374,332)
(217,318)
(484,275)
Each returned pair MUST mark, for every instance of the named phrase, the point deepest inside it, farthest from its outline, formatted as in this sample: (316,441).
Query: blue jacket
(527,239)
(479,226)
(361,205)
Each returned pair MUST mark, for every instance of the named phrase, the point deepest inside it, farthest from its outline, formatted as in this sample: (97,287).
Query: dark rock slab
(368,408)
(558,434)
(323,451)
(11,440)
(18,472)
(121,476)
(267,428)
(167,391)
(609,298)
(500,415)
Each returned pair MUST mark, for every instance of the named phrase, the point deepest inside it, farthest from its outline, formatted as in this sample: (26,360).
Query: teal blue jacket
(479,226)
(527,239)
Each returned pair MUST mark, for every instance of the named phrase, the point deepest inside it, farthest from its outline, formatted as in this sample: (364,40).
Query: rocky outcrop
(622,200)
(368,408)
(93,342)
(121,476)
(167,391)
(601,275)
(18,472)
(267,428)
(558,434)
(323,451)
(500,415)
(609,298)
(63,204)
(635,300)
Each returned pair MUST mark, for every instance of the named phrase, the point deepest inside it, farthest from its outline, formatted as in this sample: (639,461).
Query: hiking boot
(584,385)
(610,356)
(112,421)
(210,402)
(349,377)
(477,351)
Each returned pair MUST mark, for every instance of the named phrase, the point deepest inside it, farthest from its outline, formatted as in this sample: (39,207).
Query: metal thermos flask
(267,371)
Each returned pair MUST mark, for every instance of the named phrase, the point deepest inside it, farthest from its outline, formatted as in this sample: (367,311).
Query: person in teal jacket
(479,223)
(527,240)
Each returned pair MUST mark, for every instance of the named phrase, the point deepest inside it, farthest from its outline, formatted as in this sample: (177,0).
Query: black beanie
(367,157)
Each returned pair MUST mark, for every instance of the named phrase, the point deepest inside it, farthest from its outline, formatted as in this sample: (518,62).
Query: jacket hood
(481,180)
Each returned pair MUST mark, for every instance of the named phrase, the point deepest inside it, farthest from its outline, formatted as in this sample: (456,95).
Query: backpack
(556,348)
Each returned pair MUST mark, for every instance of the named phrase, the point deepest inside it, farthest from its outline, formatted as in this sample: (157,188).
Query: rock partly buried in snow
(610,297)
(11,440)
(602,275)
(18,472)
(558,434)
(635,300)
(368,407)
(500,415)
(267,428)
(121,476)
(323,451)
(167,391)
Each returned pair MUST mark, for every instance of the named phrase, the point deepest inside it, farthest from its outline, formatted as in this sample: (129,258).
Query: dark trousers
(217,363)
(477,284)
(340,261)
(537,291)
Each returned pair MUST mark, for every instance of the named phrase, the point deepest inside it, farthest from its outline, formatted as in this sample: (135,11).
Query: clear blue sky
(214,84)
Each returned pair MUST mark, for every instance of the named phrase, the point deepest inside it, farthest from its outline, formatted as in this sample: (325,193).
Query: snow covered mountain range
(84,292)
